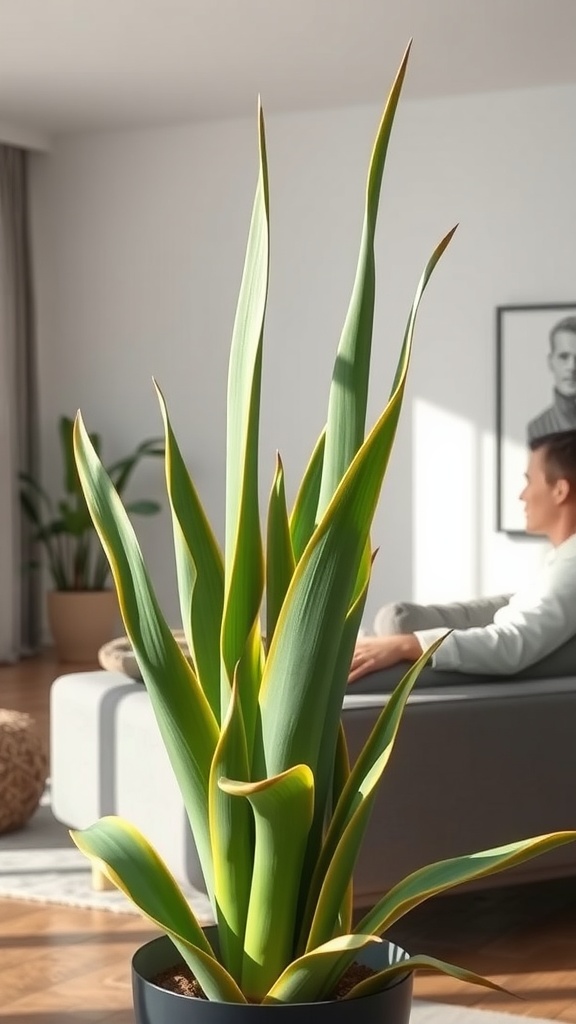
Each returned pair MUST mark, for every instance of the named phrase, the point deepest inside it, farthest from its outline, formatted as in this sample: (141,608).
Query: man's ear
(561,491)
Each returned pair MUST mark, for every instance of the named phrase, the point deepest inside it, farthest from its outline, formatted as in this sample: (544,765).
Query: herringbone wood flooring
(66,966)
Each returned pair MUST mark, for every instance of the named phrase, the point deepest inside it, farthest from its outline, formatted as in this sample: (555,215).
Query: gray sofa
(475,765)
(479,761)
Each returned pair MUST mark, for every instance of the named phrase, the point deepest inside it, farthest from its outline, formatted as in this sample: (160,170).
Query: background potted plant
(252,727)
(82,607)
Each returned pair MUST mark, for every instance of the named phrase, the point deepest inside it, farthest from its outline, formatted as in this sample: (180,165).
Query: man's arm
(376,652)
(531,626)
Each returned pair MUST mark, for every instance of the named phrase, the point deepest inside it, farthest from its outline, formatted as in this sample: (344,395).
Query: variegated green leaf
(349,391)
(302,676)
(341,768)
(445,874)
(199,567)
(283,808)
(232,840)
(305,980)
(303,518)
(247,677)
(244,560)
(325,770)
(71,482)
(340,778)
(382,979)
(279,554)
(136,869)
(346,831)
(185,719)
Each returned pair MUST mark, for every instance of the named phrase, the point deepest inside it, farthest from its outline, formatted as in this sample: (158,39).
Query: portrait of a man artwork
(535,392)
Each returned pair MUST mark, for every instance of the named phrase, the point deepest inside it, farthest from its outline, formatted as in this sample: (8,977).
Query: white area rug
(40,862)
(438,1013)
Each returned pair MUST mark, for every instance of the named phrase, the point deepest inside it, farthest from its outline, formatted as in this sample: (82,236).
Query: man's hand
(376,652)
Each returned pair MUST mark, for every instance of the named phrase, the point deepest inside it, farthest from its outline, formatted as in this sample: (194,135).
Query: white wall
(14,134)
(139,243)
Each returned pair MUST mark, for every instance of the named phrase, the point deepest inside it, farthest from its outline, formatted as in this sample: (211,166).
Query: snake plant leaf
(283,808)
(303,517)
(244,560)
(379,981)
(247,676)
(132,864)
(349,390)
(341,772)
(445,874)
(71,480)
(279,554)
(306,978)
(339,780)
(346,912)
(348,825)
(185,719)
(199,567)
(332,729)
(300,682)
(346,644)
(232,839)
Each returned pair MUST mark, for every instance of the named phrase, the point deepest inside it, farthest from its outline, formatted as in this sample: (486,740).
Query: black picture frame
(524,389)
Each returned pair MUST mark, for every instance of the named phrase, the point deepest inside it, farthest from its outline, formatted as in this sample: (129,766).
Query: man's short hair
(567,324)
(559,456)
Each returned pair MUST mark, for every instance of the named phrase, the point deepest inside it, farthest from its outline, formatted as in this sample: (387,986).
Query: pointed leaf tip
(405,56)
(404,62)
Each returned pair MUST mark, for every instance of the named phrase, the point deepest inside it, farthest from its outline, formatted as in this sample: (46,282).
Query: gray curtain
(19,596)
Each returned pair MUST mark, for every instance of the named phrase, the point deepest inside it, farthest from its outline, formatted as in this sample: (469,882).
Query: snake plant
(252,724)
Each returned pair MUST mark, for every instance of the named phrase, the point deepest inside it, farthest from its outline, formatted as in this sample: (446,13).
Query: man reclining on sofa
(531,633)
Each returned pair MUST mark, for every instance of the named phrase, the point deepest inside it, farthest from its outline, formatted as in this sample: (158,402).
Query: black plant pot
(154,1005)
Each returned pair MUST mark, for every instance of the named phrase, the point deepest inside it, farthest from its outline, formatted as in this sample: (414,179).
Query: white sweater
(534,623)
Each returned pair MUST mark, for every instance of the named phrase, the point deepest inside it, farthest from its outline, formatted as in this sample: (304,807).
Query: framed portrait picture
(535,392)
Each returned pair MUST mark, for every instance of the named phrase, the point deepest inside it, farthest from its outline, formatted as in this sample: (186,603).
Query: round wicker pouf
(23,769)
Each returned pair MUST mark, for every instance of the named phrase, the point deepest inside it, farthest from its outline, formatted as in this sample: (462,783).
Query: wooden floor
(66,966)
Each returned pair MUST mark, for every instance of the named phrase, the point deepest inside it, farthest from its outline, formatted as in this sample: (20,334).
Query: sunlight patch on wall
(508,562)
(445,505)
(513,469)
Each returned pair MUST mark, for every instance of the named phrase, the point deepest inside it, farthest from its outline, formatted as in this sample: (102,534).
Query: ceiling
(70,65)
